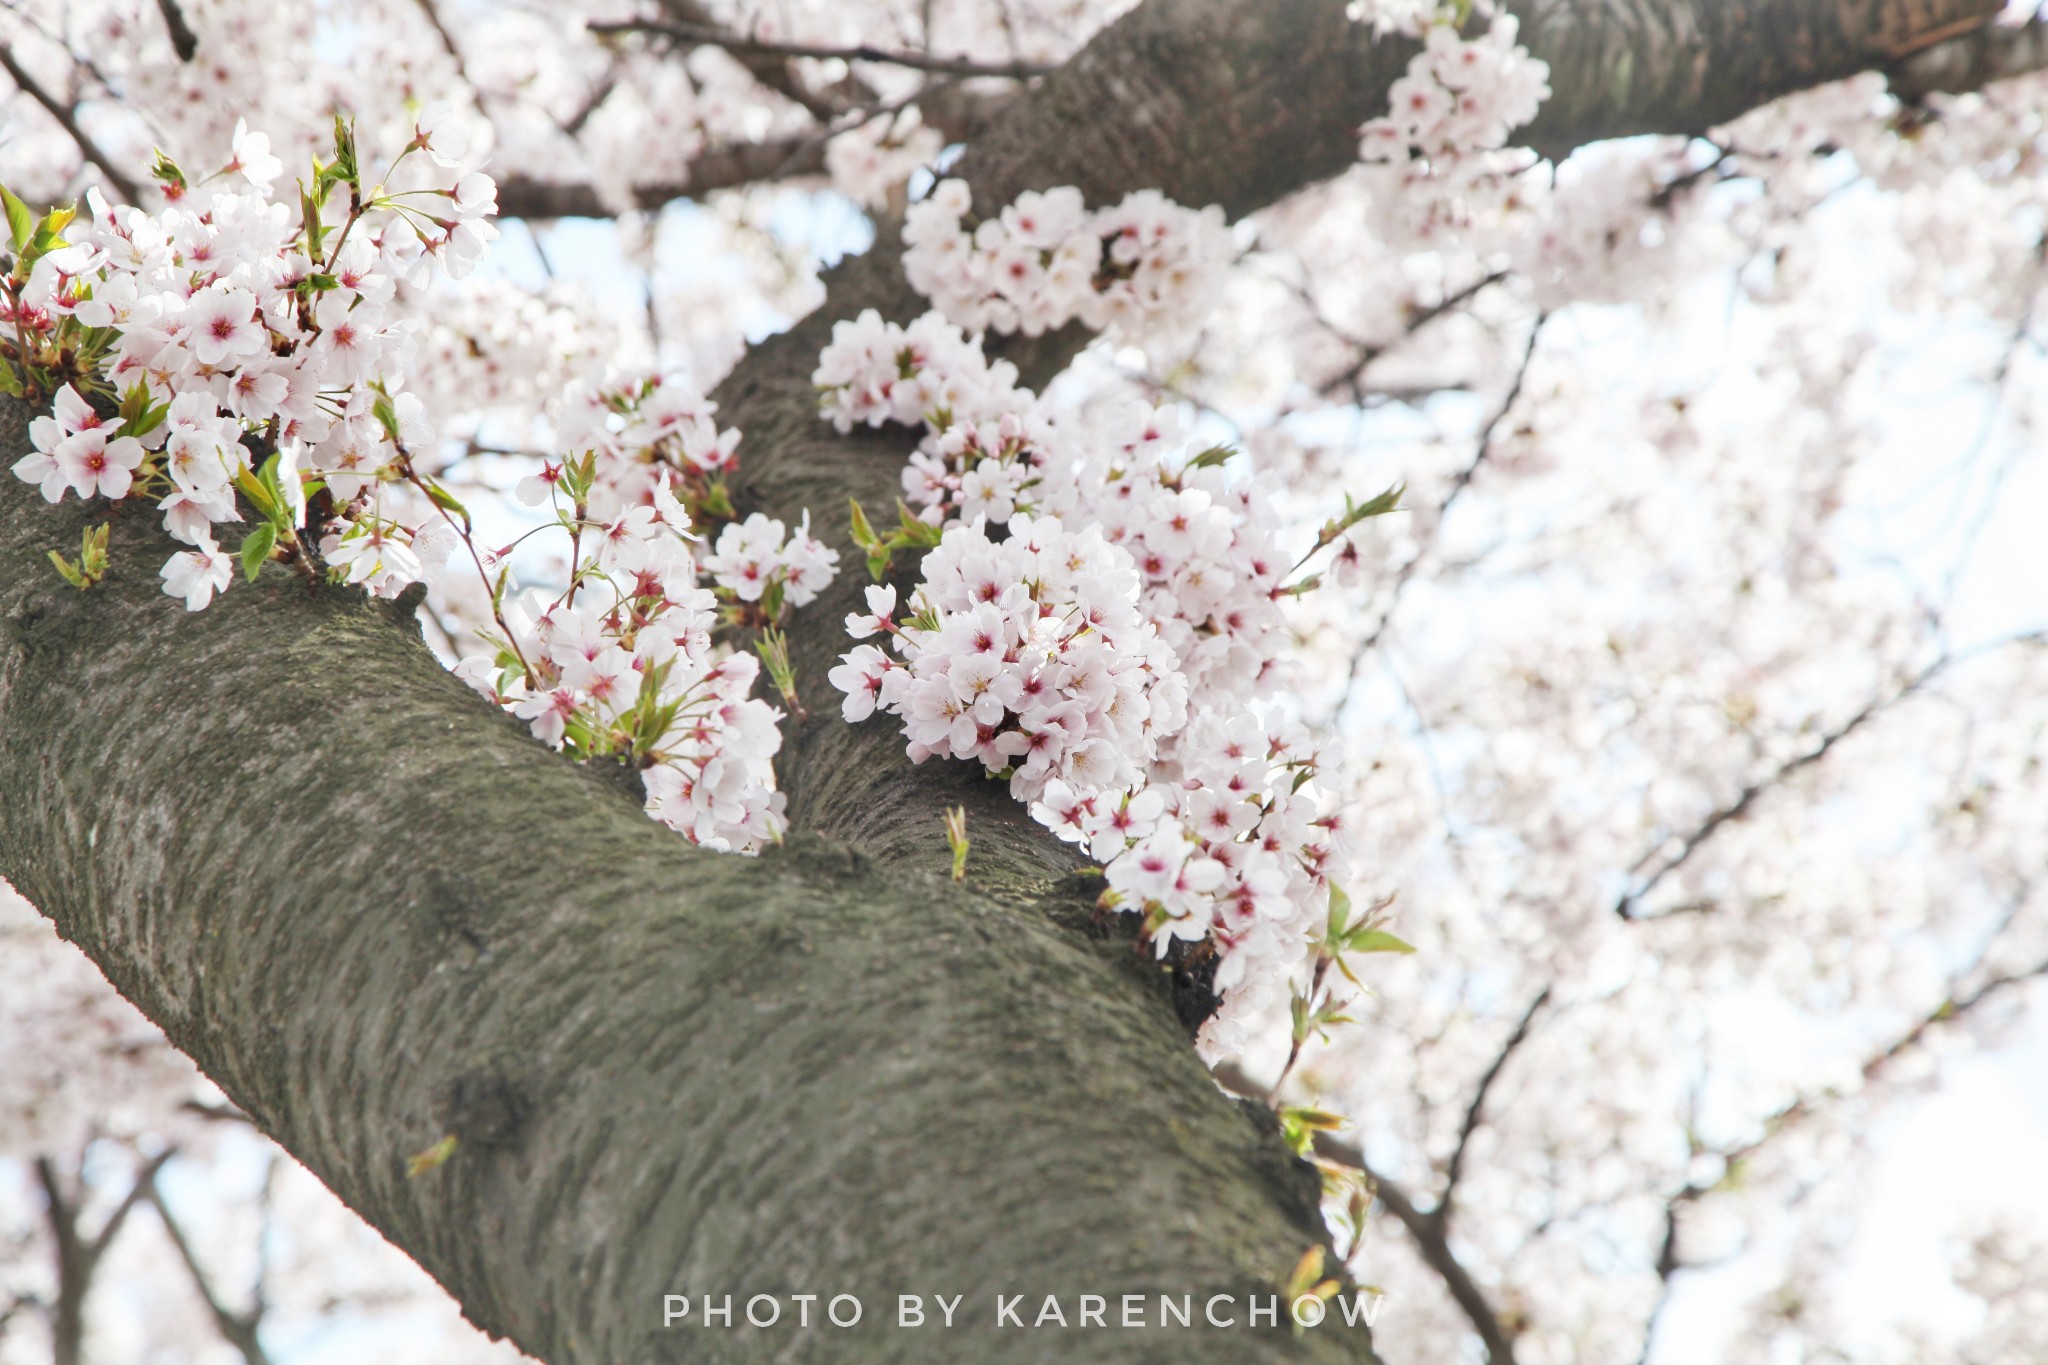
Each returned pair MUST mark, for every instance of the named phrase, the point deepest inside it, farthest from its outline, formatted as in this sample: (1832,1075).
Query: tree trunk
(377,912)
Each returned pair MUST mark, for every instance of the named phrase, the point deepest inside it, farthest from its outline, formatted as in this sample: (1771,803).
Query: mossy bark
(377,913)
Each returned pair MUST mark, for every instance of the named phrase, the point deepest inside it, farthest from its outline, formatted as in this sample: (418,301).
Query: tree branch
(667,1071)
(184,41)
(1988,53)
(67,119)
(746,163)
(712,36)
(1434,1247)
(1739,806)
(1950,1011)
(1441,1214)
(239,1330)
(777,74)
(1463,480)
(143,1186)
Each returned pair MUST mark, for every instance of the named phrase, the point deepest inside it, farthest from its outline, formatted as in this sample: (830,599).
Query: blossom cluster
(1441,148)
(1459,96)
(873,372)
(1205,546)
(1027,654)
(1115,701)
(871,161)
(625,662)
(1146,268)
(622,663)
(258,365)
(1227,842)
(233,333)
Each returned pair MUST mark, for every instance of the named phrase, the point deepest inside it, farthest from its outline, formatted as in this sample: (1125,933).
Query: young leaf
(1375,941)
(419,1163)
(20,221)
(70,571)
(863,533)
(256,547)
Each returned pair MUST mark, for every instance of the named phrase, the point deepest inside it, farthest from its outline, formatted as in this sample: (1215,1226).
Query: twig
(1441,1214)
(1464,478)
(1434,1247)
(1366,352)
(184,41)
(68,120)
(238,1329)
(1626,907)
(734,43)
(774,73)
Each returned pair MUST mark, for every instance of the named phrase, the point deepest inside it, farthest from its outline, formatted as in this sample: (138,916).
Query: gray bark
(376,912)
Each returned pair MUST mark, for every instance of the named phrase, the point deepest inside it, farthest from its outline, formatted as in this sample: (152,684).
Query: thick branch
(377,913)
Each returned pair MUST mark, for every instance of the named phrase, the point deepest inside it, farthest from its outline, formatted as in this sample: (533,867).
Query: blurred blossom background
(1692,712)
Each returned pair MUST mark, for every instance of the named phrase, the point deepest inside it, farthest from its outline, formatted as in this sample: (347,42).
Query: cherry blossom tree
(1297,681)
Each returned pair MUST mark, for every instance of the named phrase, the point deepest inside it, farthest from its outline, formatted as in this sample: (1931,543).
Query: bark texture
(376,912)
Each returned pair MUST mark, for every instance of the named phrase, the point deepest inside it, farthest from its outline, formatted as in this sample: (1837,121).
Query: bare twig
(724,168)
(67,118)
(772,71)
(1433,1245)
(1627,907)
(184,41)
(1484,451)
(239,1330)
(219,1113)
(707,36)
(1366,352)
(78,1255)
(1441,1214)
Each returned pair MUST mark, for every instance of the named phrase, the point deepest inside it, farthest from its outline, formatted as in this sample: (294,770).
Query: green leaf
(1389,501)
(70,571)
(256,547)
(863,532)
(386,415)
(915,533)
(166,170)
(1299,1126)
(419,1163)
(1340,912)
(1375,941)
(20,221)
(50,231)
(345,163)
(445,500)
